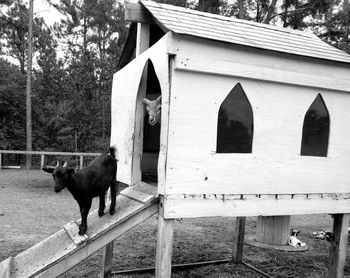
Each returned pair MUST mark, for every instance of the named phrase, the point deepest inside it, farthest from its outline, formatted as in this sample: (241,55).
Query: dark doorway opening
(151,134)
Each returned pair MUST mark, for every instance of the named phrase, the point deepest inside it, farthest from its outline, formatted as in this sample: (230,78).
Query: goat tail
(112,152)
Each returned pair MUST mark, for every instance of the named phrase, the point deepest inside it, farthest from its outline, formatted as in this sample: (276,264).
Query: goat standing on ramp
(85,184)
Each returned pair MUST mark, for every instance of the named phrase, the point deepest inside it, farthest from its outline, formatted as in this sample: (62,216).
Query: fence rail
(45,153)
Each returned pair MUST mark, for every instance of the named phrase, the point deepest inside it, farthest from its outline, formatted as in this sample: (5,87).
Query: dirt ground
(30,211)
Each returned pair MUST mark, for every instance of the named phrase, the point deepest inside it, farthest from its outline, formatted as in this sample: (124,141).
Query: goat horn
(58,164)
(65,164)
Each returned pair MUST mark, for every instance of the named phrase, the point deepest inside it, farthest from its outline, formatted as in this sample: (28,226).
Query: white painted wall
(274,166)
(124,94)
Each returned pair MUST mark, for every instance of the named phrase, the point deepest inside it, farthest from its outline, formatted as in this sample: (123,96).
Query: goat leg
(102,205)
(114,188)
(84,211)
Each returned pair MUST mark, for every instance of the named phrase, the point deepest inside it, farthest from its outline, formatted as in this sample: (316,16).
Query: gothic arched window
(235,123)
(315,129)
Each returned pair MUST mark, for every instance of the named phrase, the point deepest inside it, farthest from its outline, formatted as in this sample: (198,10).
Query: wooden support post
(238,240)
(142,38)
(164,244)
(42,161)
(0,161)
(339,245)
(135,12)
(107,260)
(81,162)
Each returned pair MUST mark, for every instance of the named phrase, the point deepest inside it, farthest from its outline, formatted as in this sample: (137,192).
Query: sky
(43,9)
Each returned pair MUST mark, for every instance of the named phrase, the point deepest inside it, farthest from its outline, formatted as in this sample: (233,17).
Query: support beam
(339,245)
(107,260)
(238,240)
(142,38)
(164,244)
(174,267)
(137,13)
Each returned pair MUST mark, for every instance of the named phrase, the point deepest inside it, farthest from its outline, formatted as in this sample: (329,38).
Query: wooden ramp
(66,248)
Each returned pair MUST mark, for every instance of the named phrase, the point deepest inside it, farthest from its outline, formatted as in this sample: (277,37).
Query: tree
(336,30)
(299,14)
(51,102)
(12,107)
(209,6)
(14,30)
(96,32)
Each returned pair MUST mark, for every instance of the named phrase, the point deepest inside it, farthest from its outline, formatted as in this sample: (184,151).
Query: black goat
(87,183)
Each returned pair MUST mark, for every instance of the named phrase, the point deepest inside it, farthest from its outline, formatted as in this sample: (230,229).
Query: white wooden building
(254,118)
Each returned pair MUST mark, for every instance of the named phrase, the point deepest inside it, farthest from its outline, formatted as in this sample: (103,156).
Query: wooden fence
(43,154)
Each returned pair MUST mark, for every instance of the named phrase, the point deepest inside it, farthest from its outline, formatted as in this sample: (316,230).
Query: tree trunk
(241,9)
(270,12)
(28,96)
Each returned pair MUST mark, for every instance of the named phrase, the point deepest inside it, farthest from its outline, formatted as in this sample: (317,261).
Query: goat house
(254,118)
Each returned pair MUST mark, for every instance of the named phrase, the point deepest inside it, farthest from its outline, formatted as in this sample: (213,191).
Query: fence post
(42,161)
(0,160)
(81,162)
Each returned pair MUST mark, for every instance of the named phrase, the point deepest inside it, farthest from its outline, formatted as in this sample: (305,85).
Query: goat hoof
(100,213)
(82,230)
(111,211)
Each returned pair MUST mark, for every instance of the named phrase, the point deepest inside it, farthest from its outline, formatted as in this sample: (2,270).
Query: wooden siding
(192,206)
(275,165)
(242,32)
(124,96)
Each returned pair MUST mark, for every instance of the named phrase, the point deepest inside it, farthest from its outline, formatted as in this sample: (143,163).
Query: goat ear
(145,101)
(48,169)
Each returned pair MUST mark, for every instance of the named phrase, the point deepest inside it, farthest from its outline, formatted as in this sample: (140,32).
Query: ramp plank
(136,195)
(58,253)
(72,228)
(5,268)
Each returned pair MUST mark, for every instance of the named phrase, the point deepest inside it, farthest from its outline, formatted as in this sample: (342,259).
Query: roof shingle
(231,30)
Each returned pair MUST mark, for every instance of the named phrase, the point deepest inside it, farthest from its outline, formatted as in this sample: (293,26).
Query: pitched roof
(231,30)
